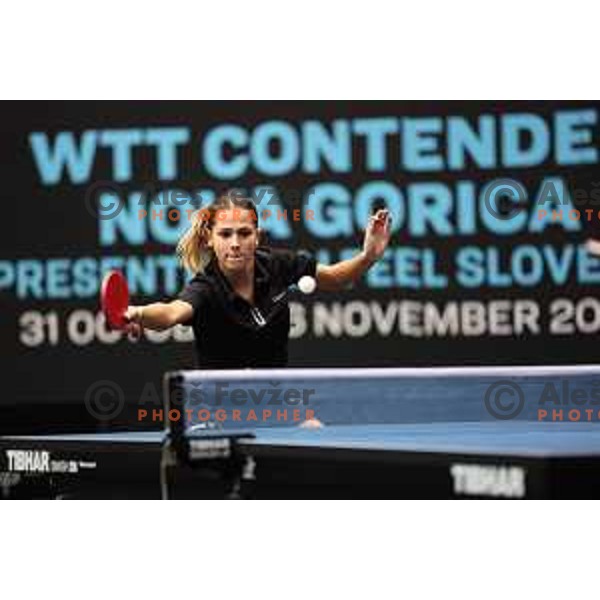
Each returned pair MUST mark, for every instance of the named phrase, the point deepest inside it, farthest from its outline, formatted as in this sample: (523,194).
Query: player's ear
(259,236)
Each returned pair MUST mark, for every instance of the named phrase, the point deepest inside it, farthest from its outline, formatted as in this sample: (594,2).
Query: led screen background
(89,186)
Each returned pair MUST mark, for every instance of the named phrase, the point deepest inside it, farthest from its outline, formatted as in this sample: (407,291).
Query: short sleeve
(295,265)
(196,293)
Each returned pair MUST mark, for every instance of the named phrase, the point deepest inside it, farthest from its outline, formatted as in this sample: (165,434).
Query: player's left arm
(339,275)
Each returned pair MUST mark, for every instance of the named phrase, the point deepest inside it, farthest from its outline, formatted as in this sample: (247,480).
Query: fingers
(133,331)
(381,220)
(383,214)
(133,328)
(312,424)
(132,314)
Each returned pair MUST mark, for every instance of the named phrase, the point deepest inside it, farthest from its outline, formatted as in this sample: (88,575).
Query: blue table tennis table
(501,432)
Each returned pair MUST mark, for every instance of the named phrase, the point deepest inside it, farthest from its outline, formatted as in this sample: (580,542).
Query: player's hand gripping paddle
(114,297)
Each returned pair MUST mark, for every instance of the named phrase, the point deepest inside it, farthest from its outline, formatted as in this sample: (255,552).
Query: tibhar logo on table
(488,480)
(554,401)
(40,461)
(28,461)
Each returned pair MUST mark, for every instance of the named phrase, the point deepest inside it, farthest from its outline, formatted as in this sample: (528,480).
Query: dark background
(44,386)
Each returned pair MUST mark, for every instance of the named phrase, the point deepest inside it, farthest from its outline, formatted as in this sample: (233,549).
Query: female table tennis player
(237,302)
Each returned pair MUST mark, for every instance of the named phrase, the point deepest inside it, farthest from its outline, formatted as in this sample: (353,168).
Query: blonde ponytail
(192,249)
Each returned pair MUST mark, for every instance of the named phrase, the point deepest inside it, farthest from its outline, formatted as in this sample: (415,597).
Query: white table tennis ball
(307,284)
(593,246)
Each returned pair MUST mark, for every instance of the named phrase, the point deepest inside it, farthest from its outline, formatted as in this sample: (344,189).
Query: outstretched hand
(377,234)
(133,327)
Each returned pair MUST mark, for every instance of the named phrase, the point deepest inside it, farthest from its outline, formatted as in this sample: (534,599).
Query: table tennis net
(267,398)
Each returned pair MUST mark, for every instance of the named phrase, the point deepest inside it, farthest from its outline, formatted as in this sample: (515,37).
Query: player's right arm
(159,315)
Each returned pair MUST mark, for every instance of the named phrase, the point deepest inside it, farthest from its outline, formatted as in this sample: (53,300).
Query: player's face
(234,238)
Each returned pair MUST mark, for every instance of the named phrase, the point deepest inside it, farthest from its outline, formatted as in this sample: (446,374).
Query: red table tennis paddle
(114,298)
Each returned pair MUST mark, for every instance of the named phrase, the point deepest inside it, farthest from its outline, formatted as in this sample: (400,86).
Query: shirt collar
(261,276)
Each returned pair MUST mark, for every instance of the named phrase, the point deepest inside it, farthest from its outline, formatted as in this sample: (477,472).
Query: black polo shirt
(231,333)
